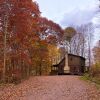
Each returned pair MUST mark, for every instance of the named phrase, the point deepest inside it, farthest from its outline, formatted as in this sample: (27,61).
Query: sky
(70,12)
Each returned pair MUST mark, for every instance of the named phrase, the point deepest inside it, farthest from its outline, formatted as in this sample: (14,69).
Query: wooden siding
(76,64)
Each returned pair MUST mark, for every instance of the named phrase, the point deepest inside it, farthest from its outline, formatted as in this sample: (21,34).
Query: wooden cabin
(75,63)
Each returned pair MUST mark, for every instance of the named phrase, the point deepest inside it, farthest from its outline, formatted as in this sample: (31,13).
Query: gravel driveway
(51,88)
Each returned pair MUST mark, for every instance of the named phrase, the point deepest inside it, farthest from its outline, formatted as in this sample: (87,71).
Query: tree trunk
(5,42)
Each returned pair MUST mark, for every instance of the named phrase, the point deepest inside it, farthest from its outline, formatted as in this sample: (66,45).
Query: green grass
(96,80)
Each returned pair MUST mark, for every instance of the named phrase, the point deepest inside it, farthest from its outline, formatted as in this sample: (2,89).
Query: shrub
(95,70)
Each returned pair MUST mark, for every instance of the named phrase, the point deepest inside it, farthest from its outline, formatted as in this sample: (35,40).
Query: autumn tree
(50,31)
(96,52)
(95,69)
(17,20)
(24,38)
(69,33)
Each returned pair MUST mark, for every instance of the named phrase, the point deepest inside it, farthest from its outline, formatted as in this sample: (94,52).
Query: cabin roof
(55,65)
(76,56)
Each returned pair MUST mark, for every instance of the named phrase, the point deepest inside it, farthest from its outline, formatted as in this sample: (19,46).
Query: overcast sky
(69,12)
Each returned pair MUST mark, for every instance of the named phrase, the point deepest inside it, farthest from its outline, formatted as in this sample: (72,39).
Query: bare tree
(87,31)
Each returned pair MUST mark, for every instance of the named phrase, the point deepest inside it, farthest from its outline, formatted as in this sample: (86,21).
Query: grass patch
(87,77)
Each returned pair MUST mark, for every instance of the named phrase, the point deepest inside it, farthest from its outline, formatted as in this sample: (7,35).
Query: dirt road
(51,88)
